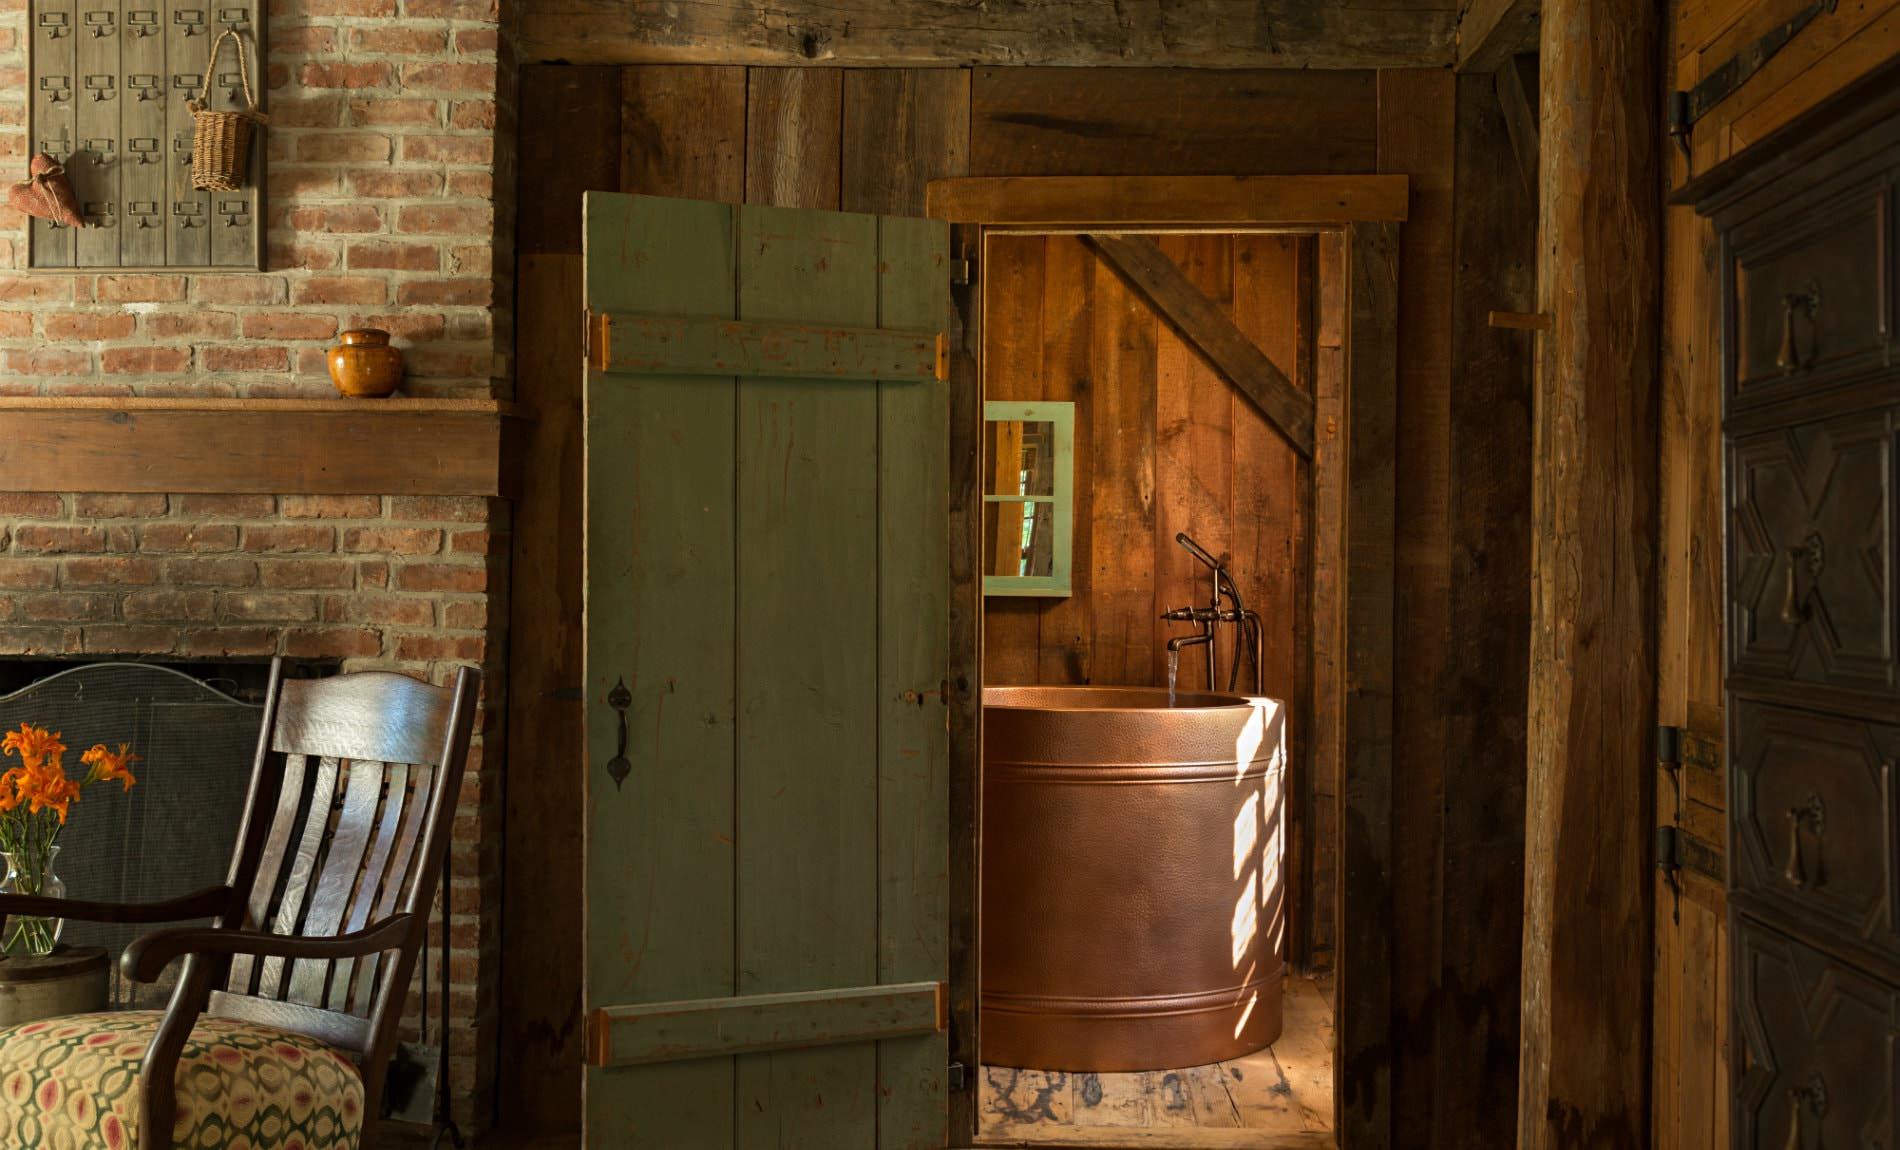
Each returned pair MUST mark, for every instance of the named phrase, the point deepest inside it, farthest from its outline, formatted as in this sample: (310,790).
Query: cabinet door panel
(1812,805)
(1818,1065)
(1810,524)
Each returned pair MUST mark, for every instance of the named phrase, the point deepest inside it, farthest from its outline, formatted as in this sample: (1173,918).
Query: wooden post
(1584,1054)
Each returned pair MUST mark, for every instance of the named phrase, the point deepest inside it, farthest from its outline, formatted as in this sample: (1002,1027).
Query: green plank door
(768,580)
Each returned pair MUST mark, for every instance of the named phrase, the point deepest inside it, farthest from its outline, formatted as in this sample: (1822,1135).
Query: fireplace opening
(195,726)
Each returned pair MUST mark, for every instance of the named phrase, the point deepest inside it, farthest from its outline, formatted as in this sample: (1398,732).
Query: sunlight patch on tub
(1246,918)
(1252,1001)
(1246,833)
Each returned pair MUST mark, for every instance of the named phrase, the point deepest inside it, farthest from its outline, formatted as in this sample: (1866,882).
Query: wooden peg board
(108,84)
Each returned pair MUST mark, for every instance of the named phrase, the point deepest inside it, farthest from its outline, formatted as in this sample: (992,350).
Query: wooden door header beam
(1130,201)
(930,33)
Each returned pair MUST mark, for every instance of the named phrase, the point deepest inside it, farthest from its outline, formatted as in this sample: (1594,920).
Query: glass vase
(31,873)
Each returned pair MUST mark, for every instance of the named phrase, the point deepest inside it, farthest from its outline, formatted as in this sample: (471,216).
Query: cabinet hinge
(959,1078)
(1668,849)
(962,272)
(1669,746)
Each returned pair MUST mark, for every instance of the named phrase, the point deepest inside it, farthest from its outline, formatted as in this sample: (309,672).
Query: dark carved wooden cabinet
(1811,418)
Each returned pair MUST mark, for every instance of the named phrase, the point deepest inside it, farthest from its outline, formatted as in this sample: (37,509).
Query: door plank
(660,924)
(913,751)
(1014,272)
(1124,338)
(1064,639)
(807,746)
(794,118)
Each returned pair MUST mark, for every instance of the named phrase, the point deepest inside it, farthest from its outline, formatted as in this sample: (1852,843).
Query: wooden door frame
(1368,211)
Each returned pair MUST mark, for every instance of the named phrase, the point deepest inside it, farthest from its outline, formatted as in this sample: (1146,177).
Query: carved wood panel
(109,81)
(1818,1064)
(1812,803)
(1810,520)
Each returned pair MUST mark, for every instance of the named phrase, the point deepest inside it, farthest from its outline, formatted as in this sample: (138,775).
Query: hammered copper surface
(1132,902)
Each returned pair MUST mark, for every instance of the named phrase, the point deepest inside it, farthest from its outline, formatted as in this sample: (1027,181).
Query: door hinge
(959,1078)
(1722,81)
(1669,862)
(1669,746)
(962,272)
(1669,849)
(596,336)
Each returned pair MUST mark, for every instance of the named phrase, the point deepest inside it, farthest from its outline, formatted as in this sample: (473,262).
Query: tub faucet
(1224,606)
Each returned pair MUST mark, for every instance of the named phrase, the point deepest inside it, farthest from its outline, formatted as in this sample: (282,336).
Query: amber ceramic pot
(1132,895)
(364,366)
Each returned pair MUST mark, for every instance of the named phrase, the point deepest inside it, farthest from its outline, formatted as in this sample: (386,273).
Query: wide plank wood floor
(1280,1098)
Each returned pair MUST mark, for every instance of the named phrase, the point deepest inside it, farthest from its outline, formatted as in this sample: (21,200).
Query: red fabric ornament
(46,194)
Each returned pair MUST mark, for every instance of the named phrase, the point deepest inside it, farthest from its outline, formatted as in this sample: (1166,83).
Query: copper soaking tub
(1132,900)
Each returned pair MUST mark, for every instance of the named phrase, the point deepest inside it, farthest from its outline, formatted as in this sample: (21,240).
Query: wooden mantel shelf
(256,446)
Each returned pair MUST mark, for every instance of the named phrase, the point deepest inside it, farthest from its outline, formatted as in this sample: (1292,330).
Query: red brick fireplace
(413,581)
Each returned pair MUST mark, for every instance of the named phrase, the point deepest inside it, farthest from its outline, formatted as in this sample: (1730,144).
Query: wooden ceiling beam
(926,33)
(1200,321)
(1492,31)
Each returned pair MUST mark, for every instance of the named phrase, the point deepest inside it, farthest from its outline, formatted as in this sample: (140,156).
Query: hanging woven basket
(221,141)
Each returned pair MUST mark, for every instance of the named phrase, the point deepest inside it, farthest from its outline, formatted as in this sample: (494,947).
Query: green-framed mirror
(1028,497)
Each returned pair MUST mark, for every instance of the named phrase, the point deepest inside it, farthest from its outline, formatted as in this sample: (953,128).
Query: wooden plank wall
(870,140)
(1691,1063)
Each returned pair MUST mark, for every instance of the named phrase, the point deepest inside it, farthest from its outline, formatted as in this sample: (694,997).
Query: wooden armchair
(314,943)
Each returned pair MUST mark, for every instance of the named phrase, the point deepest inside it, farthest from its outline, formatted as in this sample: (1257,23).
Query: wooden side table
(71,980)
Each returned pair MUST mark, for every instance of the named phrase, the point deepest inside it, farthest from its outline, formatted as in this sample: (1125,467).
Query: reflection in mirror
(1022,538)
(1028,474)
(1023,453)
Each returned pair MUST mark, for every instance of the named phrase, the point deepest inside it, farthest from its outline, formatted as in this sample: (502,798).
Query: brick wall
(381,212)
(392,583)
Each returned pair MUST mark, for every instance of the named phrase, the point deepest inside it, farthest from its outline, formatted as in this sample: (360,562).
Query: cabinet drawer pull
(619,767)
(1812,554)
(1803,1101)
(1810,816)
(1789,359)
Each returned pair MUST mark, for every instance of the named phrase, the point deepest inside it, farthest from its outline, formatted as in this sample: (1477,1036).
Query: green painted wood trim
(1058,583)
(714,1027)
(704,345)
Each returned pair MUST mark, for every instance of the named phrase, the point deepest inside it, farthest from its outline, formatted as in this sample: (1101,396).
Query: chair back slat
(270,865)
(303,866)
(363,900)
(341,868)
(370,715)
(394,884)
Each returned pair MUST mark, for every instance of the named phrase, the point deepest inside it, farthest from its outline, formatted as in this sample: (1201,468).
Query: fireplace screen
(174,832)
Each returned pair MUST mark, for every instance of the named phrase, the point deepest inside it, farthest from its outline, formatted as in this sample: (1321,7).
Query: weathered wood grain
(661,579)
(1589,800)
(1205,326)
(913,746)
(902,129)
(1014,268)
(807,475)
(1065,627)
(964,677)
(751,1024)
(1170,121)
(262,445)
(1516,90)
(682,132)
(1417,129)
(1481,912)
(1288,34)
(685,345)
(793,141)
(1490,32)
(1098,202)
(1366,957)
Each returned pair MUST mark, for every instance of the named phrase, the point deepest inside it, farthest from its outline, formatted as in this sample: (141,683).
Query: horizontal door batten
(679,345)
(714,1027)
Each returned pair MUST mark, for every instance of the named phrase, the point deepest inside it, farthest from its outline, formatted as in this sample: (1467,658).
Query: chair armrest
(207,903)
(150,954)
